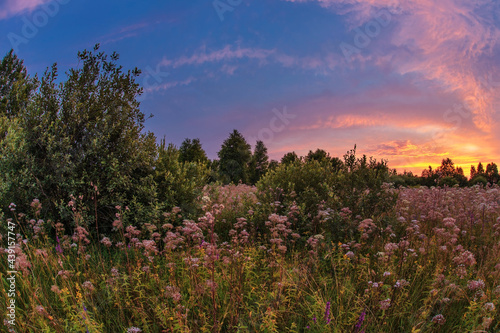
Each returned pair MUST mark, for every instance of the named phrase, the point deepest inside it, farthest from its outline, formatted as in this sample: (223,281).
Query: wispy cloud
(449,42)
(265,56)
(230,57)
(225,54)
(169,85)
(451,46)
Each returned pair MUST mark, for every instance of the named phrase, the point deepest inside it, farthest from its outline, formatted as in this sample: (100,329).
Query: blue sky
(409,81)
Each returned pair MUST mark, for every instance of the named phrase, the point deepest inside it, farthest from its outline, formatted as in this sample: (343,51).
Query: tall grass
(431,265)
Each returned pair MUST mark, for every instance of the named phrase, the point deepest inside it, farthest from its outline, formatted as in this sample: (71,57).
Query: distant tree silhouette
(259,162)
(480,169)
(191,151)
(473,171)
(318,155)
(492,173)
(234,156)
(289,158)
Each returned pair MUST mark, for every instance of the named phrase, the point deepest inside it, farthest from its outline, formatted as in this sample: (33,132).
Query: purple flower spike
(360,322)
(58,246)
(327,312)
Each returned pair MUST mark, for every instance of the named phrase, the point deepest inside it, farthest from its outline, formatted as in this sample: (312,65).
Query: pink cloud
(16,7)
(449,45)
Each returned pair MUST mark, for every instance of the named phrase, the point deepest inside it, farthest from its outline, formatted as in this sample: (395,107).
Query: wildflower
(361,319)
(350,255)
(390,247)
(117,224)
(282,248)
(438,319)
(466,258)
(40,309)
(387,273)
(486,322)
(385,304)
(55,289)
(173,292)
(114,272)
(489,306)
(401,283)
(474,285)
(133,330)
(88,285)
(327,312)
(106,241)
(58,246)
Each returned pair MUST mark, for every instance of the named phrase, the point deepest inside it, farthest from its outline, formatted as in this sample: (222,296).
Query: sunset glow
(409,81)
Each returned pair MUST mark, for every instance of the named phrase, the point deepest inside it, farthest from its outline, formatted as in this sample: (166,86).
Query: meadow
(428,263)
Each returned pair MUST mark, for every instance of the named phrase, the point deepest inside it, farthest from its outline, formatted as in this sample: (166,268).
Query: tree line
(82,138)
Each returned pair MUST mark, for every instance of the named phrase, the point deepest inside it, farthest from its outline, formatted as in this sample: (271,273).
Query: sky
(409,81)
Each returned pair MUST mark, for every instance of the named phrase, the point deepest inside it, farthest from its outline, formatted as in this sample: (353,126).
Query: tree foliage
(192,151)
(234,156)
(259,163)
(85,135)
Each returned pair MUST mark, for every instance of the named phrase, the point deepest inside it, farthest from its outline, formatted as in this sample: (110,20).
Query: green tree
(234,156)
(191,151)
(16,86)
(289,158)
(178,183)
(273,164)
(259,163)
(89,130)
(318,155)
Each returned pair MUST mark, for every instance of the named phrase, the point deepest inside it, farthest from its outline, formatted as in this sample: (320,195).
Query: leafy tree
(178,183)
(318,155)
(234,156)
(16,86)
(492,173)
(429,177)
(259,163)
(273,165)
(191,151)
(337,164)
(289,158)
(473,171)
(447,168)
(478,179)
(480,169)
(88,130)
